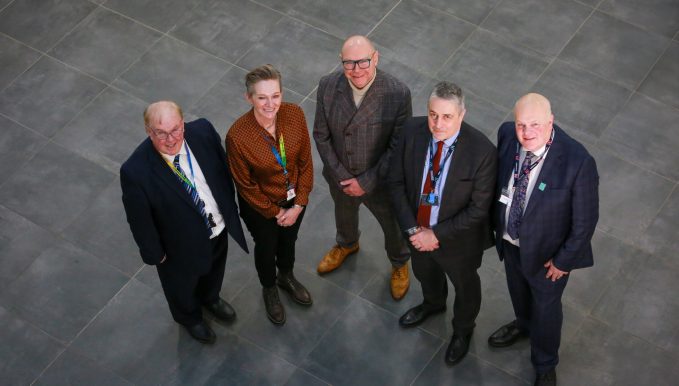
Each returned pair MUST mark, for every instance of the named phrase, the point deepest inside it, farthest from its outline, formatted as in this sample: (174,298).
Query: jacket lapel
(420,148)
(165,174)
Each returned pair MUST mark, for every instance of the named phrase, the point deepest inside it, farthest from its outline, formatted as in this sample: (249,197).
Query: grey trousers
(377,202)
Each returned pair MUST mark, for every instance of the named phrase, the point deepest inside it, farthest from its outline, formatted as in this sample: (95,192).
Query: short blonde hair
(265,72)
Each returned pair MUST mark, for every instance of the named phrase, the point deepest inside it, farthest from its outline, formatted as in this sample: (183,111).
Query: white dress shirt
(434,216)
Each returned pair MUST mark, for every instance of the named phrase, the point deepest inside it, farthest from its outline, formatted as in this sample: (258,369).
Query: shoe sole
(292,296)
(278,323)
(338,265)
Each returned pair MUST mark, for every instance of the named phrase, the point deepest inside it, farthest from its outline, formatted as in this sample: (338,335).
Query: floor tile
(474,12)
(581,102)
(48,96)
(74,369)
(102,230)
(302,378)
(301,53)
(661,16)
(627,212)
(105,44)
(471,371)
(107,131)
(304,326)
(532,22)
(135,337)
(17,145)
(341,19)
(408,40)
(21,242)
(641,134)
(662,82)
(613,261)
(633,305)
(15,58)
(391,63)
(378,292)
(25,351)
(159,14)
(602,355)
(603,45)
(62,290)
(483,63)
(231,361)
(172,70)
(366,347)
(52,188)
(41,24)
(225,28)
(662,231)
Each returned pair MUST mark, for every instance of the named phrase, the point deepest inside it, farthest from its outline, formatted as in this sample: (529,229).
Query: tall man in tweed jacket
(359,113)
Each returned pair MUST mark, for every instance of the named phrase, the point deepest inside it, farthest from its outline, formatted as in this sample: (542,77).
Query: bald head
(160,111)
(533,119)
(357,42)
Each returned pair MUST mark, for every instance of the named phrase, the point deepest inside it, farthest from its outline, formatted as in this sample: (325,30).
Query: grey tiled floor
(77,306)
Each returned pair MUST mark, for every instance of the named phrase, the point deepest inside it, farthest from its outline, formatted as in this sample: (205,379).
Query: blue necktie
(192,192)
(519,200)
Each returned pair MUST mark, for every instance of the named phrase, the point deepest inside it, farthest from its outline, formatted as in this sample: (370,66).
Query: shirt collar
(448,142)
(182,151)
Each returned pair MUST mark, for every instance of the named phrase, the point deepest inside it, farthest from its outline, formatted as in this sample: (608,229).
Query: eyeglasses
(163,135)
(361,63)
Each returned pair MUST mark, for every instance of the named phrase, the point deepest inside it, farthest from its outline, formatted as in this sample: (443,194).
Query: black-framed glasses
(361,63)
(163,136)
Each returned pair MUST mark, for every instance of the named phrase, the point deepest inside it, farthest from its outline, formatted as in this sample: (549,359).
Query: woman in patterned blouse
(270,158)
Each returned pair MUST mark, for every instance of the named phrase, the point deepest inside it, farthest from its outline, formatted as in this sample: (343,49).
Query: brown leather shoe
(400,282)
(334,258)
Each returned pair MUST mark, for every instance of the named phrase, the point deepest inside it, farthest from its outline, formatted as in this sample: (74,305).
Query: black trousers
(274,244)
(187,292)
(537,306)
(431,268)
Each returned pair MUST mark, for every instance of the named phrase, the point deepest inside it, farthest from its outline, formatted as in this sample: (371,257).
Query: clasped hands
(287,217)
(424,240)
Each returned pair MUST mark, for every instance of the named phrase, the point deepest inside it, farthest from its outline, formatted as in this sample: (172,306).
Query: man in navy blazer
(179,200)
(546,210)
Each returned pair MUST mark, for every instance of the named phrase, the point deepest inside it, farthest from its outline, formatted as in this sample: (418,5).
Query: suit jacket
(559,219)
(463,227)
(358,142)
(163,219)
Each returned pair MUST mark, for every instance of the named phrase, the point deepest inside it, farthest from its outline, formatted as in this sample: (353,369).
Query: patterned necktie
(424,211)
(519,200)
(193,192)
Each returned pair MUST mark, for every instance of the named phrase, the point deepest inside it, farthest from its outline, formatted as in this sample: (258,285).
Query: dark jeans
(274,245)
(187,292)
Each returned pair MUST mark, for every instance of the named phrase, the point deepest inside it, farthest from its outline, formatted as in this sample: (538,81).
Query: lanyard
(435,178)
(524,172)
(280,156)
(179,173)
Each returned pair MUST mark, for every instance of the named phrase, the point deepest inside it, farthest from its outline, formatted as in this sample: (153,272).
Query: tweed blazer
(357,142)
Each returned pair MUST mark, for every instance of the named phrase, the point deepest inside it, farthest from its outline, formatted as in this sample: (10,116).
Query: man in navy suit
(179,200)
(545,214)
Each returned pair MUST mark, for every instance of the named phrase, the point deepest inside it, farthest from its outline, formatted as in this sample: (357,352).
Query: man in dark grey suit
(442,181)
(359,114)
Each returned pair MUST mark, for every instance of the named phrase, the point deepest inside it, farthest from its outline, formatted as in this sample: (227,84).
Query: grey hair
(448,91)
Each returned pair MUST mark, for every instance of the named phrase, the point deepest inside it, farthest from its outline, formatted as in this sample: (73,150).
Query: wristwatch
(412,231)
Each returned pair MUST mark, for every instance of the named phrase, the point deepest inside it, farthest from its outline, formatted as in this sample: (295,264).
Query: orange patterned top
(258,176)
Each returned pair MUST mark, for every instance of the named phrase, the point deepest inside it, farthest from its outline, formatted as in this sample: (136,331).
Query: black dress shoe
(222,310)
(545,379)
(506,335)
(274,307)
(457,349)
(202,333)
(417,315)
(288,282)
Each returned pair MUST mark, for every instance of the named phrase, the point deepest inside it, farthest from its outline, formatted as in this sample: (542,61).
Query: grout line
(431,359)
(383,18)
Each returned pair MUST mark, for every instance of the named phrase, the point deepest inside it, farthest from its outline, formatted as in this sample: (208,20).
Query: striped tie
(192,192)
(519,200)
